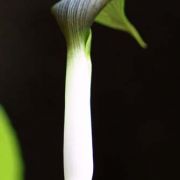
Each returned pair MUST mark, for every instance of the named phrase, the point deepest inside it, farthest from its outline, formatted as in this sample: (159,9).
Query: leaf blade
(11,164)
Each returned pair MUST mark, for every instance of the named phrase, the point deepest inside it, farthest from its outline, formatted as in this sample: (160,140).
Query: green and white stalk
(78,155)
(75,18)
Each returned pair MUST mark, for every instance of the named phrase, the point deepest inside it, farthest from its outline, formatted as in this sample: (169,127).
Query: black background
(135,95)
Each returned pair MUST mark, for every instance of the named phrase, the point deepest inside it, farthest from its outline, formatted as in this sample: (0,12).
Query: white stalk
(78,153)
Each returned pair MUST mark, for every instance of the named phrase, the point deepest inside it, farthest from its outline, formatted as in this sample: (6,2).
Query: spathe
(113,16)
(76,17)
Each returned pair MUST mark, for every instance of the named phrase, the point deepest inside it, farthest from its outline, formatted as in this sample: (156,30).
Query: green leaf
(113,15)
(11,166)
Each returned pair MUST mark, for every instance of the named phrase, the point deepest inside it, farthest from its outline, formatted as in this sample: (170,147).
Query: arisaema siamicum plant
(75,18)
(11,164)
